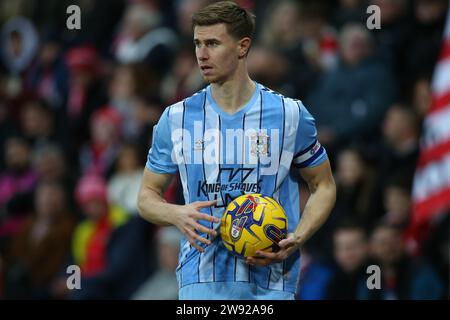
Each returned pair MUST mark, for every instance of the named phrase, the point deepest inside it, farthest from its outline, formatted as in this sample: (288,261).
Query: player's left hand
(287,247)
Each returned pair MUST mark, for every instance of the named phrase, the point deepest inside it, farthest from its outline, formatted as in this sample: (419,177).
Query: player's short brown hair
(239,22)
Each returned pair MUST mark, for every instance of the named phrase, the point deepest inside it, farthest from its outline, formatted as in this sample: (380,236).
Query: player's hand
(186,220)
(287,247)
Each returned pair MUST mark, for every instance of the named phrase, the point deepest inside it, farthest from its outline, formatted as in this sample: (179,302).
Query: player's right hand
(186,221)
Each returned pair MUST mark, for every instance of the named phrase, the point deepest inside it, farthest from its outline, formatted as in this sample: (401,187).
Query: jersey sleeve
(159,157)
(308,150)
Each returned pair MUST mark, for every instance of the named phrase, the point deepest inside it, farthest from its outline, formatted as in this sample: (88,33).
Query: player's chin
(209,79)
(212,78)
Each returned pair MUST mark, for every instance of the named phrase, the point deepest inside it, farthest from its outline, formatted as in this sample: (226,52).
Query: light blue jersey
(220,157)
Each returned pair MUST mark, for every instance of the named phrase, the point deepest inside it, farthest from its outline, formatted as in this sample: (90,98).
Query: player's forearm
(154,208)
(316,211)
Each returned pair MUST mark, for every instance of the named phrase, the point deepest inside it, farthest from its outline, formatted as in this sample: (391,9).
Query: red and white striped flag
(431,189)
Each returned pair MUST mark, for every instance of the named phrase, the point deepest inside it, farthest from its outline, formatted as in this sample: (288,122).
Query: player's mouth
(205,69)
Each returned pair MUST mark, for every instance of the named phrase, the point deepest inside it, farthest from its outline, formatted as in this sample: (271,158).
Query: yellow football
(253,222)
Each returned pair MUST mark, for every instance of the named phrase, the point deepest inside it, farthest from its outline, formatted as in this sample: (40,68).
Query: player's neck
(232,95)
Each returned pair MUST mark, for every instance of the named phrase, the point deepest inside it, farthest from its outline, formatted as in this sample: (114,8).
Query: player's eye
(212,43)
(209,44)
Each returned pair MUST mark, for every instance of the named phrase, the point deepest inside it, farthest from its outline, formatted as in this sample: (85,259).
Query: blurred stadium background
(77,109)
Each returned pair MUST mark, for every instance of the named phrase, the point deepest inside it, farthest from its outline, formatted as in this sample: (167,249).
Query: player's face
(217,52)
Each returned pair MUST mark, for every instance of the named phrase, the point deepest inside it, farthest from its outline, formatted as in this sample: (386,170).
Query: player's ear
(244,47)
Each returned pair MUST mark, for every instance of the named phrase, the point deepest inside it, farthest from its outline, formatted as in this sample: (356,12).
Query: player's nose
(202,54)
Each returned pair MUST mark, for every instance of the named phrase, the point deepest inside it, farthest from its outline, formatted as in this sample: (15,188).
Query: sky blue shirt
(220,156)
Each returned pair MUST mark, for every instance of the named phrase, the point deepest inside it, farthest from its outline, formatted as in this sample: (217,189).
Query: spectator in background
(18,177)
(38,122)
(393,36)
(17,184)
(315,275)
(129,82)
(147,111)
(319,38)
(283,29)
(400,131)
(397,202)
(19,42)
(7,125)
(143,40)
(162,284)
(349,102)
(49,163)
(126,179)
(279,58)
(270,66)
(86,94)
(183,78)
(267,61)
(398,212)
(108,245)
(400,150)
(48,76)
(351,253)
(355,181)
(403,277)
(39,250)
(98,156)
(421,96)
(423,50)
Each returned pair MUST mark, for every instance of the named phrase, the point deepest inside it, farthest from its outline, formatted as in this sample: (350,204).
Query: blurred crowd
(77,109)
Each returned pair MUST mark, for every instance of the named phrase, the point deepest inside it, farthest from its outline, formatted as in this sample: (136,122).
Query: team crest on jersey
(259,144)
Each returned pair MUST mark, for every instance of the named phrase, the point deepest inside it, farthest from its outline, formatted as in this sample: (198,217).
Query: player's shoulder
(195,99)
(199,94)
(289,102)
